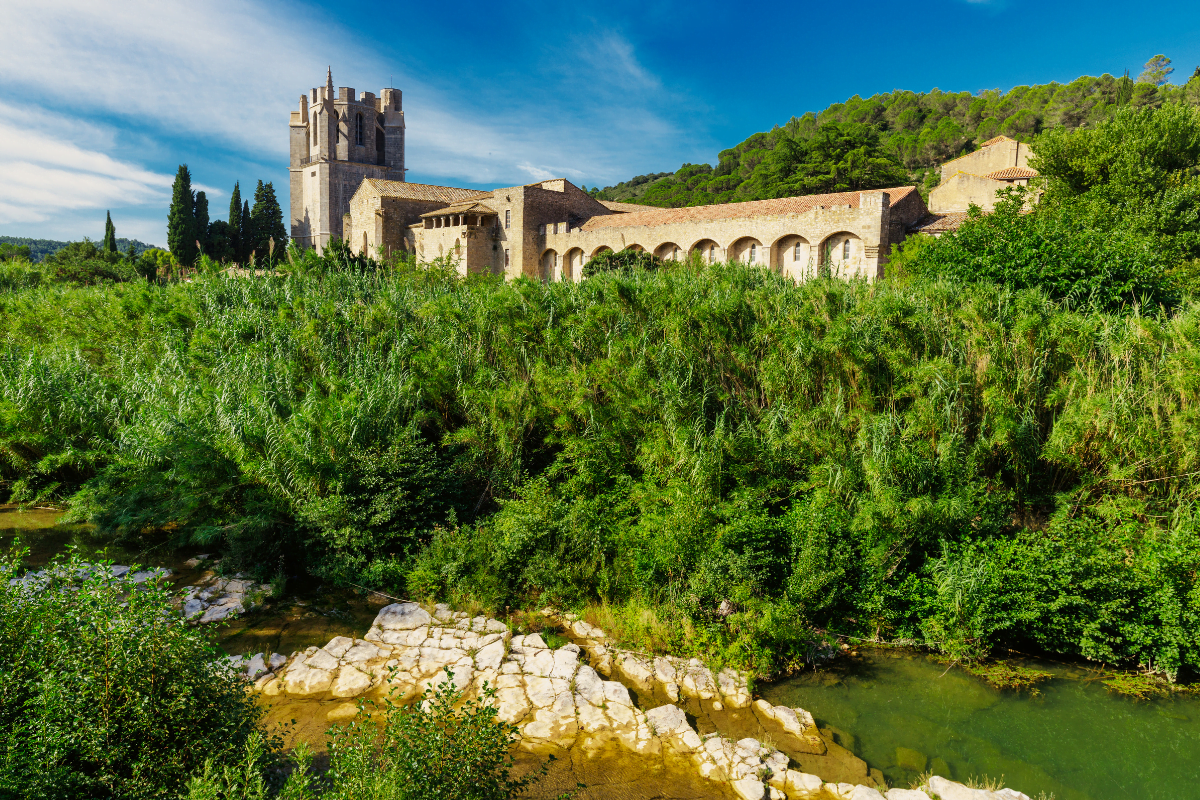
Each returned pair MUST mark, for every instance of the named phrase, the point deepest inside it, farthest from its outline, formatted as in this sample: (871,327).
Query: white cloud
(226,73)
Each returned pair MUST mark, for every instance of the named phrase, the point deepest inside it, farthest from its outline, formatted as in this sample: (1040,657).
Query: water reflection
(905,713)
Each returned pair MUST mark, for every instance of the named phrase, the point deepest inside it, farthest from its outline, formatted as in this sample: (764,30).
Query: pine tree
(181,221)
(110,236)
(201,215)
(266,221)
(235,222)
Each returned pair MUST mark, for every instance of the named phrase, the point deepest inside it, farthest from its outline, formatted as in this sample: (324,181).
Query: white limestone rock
(305,681)
(949,790)
(667,720)
(402,617)
(906,794)
(350,682)
(321,659)
(865,793)
(750,789)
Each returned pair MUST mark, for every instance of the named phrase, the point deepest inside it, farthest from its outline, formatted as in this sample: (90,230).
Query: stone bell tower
(336,142)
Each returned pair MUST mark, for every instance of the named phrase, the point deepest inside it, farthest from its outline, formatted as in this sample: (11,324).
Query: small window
(753,252)
(796,252)
(712,253)
(846,250)
(337,128)
(507,224)
(358,130)
(541,230)
(506,261)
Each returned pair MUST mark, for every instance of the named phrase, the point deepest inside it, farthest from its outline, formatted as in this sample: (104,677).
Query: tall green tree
(244,233)
(201,215)
(266,221)
(1157,71)
(110,236)
(235,222)
(181,220)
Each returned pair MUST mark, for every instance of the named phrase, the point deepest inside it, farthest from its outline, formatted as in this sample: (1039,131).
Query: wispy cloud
(224,74)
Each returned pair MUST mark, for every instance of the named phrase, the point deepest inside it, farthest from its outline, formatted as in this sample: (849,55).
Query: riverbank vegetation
(976,452)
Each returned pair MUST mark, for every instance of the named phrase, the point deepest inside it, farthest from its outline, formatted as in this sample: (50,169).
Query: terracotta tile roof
(938,223)
(996,140)
(1012,174)
(462,208)
(613,205)
(422,191)
(754,208)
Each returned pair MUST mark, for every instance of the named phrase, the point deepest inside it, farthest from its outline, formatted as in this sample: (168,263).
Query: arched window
(712,253)
(796,252)
(753,252)
(846,250)
(358,130)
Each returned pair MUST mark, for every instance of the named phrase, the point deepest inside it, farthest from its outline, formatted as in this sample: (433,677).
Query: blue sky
(99,102)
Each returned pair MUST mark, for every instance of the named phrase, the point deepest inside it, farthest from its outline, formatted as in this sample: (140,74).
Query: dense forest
(897,138)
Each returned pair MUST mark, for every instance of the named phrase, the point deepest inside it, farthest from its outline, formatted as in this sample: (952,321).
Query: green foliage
(84,263)
(1157,71)
(966,464)
(109,245)
(201,217)
(610,261)
(236,223)
(1119,221)
(106,693)
(41,248)
(181,219)
(894,139)
(265,231)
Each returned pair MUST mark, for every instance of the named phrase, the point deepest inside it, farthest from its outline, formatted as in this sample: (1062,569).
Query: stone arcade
(347,181)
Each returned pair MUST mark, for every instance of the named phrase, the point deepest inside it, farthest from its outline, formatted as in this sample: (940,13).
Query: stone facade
(975,178)
(336,143)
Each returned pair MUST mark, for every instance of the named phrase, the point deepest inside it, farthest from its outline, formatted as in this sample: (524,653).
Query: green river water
(900,711)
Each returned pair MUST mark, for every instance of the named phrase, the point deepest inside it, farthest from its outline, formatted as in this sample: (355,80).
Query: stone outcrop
(563,702)
(213,598)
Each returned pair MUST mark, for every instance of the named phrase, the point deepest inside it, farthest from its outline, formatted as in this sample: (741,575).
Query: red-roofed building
(976,177)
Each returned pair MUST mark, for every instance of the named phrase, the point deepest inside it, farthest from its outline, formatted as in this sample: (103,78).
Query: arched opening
(572,264)
(793,257)
(550,265)
(601,249)
(748,250)
(668,251)
(637,248)
(358,130)
(841,256)
(708,251)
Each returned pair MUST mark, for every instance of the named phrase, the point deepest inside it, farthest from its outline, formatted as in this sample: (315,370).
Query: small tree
(109,245)
(244,233)
(234,232)
(266,220)
(1157,71)
(181,221)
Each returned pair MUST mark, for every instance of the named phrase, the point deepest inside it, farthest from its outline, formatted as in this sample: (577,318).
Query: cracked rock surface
(612,734)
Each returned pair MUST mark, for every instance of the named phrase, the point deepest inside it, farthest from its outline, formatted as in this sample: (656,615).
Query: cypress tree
(202,220)
(266,220)
(235,222)
(244,232)
(110,236)
(181,221)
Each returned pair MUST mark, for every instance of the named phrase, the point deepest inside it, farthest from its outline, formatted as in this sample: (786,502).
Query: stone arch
(708,251)
(550,265)
(635,247)
(748,250)
(599,250)
(669,251)
(793,257)
(573,264)
(842,255)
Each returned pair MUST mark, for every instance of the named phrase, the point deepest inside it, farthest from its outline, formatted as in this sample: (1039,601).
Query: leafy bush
(611,261)
(105,693)
(733,458)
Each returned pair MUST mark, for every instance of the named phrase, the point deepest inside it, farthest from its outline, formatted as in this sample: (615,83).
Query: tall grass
(960,465)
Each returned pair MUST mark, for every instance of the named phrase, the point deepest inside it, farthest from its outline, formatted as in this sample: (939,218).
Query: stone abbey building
(347,180)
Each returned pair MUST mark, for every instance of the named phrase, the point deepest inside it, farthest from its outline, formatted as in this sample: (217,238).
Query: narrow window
(753,252)
(846,251)
(506,262)
(337,128)
(358,130)
(541,230)
(796,252)
(507,223)
(712,253)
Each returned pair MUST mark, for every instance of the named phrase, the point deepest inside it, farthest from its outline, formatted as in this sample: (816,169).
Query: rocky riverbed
(592,706)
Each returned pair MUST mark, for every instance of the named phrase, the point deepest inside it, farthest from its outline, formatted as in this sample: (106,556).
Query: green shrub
(105,693)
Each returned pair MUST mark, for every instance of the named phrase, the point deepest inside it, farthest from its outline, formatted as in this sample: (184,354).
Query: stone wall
(1002,152)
